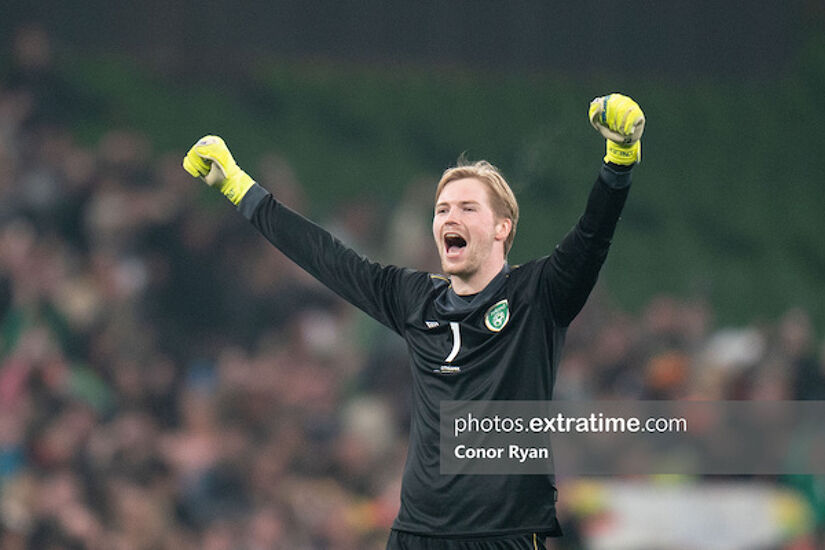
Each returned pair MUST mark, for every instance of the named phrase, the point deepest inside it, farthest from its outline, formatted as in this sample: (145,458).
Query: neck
(477,281)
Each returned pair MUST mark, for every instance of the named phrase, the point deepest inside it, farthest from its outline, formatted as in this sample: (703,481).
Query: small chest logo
(497,316)
(447,369)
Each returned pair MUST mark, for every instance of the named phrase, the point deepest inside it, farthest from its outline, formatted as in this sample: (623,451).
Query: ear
(503,227)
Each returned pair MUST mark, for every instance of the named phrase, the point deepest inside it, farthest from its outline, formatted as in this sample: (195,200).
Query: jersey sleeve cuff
(615,176)
(251,200)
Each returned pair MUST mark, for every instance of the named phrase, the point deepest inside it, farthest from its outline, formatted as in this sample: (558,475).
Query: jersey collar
(448,302)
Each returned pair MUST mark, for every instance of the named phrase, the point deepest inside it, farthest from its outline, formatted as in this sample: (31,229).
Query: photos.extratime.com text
(593,423)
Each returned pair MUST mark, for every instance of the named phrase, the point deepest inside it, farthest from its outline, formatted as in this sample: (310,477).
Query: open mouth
(454,243)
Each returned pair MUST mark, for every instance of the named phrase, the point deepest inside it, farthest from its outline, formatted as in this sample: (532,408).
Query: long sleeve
(573,268)
(380,291)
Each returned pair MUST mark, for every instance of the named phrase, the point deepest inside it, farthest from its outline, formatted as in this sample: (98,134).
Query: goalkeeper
(482,330)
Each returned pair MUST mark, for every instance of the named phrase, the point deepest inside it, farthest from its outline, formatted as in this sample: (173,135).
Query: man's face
(466,231)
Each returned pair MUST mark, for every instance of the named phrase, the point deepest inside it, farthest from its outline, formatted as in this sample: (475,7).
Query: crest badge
(497,316)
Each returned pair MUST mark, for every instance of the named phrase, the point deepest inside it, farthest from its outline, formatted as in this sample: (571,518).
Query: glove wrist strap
(623,154)
(235,188)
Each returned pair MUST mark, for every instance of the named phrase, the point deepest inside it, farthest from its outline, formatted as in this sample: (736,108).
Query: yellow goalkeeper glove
(210,160)
(621,121)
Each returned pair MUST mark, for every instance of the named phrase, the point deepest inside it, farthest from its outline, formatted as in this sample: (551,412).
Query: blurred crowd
(169,381)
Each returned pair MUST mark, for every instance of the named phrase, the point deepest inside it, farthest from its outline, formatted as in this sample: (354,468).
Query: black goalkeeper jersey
(504,344)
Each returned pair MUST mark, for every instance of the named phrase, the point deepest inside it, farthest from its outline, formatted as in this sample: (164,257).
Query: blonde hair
(502,199)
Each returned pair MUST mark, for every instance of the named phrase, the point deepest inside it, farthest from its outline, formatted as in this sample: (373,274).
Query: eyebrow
(460,203)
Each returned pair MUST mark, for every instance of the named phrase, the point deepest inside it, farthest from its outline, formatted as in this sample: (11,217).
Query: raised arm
(573,268)
(383,292)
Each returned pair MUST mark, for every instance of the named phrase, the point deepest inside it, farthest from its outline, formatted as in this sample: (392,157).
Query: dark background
(667,39)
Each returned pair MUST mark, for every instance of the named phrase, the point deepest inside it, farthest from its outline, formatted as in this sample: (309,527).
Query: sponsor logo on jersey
(497,316)
(432,324)
(448,369)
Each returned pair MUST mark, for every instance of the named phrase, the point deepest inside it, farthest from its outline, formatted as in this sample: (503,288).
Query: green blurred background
(364,97)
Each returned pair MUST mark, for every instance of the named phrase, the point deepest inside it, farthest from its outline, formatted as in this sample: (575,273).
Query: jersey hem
(546,531)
